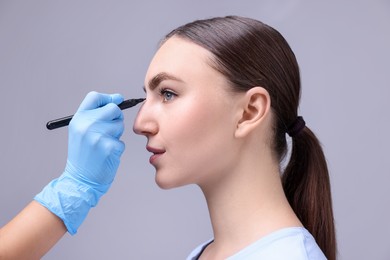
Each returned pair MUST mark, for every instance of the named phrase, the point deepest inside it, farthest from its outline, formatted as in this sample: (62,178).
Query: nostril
(145,128)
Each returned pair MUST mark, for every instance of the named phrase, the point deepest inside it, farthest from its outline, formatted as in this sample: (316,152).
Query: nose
(145,123)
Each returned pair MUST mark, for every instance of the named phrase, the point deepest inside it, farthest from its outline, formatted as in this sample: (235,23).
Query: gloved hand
(94,152)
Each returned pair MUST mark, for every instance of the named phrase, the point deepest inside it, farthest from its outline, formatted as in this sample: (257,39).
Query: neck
(248,204)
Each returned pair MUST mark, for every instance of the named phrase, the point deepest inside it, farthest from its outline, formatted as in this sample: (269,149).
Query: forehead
(180,57)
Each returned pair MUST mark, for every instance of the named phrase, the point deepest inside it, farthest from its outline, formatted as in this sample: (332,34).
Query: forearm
(31,233)
(94,150)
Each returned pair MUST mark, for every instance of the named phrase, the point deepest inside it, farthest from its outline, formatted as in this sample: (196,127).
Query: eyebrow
(160,77)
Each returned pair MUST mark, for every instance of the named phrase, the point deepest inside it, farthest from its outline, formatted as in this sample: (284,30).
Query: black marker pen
(64,121)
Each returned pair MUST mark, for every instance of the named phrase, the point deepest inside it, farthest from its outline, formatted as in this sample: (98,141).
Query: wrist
(69,199)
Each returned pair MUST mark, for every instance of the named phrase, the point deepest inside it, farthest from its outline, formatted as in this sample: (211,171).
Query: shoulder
(289,243)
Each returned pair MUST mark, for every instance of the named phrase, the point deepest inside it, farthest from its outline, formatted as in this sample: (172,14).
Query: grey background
(53,52)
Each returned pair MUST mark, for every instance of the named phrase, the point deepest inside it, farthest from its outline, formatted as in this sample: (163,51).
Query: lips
(156,153)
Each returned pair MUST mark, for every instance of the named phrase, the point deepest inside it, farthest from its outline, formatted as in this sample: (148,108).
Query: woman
(221,95)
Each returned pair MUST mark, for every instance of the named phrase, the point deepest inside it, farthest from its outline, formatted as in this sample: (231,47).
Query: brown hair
(250,53)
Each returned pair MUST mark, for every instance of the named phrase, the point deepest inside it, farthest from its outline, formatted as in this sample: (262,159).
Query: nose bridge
(145,123)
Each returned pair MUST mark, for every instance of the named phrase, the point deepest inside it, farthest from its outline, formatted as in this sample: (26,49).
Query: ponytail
(307,188)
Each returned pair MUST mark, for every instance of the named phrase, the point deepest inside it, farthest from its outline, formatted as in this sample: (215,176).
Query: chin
(167,183)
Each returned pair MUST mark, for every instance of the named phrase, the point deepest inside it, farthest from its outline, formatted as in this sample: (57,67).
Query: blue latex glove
(94,152)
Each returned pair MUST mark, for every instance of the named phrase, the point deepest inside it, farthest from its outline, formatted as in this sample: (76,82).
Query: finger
(113,128)
(112,147)
(95,100)
(119,148)
(108,112)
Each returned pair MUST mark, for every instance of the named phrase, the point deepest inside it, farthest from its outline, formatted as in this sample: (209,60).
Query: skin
(201,132)
(31,233)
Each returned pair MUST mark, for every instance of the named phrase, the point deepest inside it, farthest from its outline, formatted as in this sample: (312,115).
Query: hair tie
(296,128)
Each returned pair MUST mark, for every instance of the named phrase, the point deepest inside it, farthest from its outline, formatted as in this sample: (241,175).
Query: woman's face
(189,116)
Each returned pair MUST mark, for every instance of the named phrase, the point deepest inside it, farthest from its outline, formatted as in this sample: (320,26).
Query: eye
(167,94)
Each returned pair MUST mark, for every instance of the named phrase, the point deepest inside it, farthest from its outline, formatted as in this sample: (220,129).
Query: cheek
(200,136)
(195,122)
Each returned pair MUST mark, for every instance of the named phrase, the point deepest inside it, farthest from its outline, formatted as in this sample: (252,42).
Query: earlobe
(255,108)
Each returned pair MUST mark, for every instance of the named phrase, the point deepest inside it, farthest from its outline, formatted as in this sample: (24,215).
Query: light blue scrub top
(294,243)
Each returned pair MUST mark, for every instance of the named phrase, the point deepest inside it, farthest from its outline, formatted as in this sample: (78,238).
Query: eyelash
(164,92)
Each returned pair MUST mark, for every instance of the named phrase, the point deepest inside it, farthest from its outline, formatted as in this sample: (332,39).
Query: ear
(255,107)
